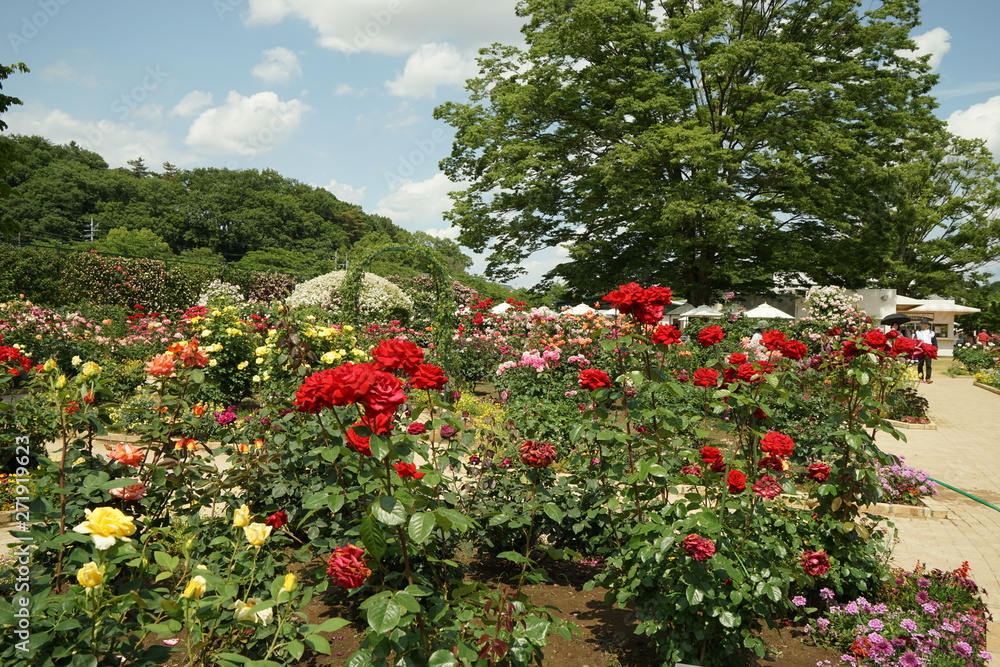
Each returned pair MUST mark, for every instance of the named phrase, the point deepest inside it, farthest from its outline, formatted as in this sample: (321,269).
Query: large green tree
(704,144)
(7,151)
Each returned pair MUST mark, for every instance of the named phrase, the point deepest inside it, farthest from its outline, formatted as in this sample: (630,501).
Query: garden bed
(987,387)
(929,426)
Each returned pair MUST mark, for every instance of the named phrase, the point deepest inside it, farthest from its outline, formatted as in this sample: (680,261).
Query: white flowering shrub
(221,293)
(380,299)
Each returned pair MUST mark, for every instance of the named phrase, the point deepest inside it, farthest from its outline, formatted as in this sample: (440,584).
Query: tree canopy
(706,145)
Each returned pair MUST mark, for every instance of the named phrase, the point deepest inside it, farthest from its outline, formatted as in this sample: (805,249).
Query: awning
(768,312)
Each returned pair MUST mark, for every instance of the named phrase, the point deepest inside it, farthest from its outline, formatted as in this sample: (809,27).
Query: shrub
(380,299)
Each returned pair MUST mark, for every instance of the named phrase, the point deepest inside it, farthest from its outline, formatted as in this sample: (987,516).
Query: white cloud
(192,103)
(347,90)
(418,204)
(432,65)
(246,126)
(936,42)
(394,27)
(444,233)
(278,65)
(62,72)
(980,121)
(345,192)
(116,142)
(404,116)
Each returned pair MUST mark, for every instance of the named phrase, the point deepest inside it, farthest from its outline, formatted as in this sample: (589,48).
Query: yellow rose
(50,365)
(241,517)
(76,361)
(213,362)
(242,365)
(255,378)
(90,575)
(195,588)
(60,382)
(257,533)
(90,368)
(244,611)
(106,525)
(261,351)
(291,582)
(205,333)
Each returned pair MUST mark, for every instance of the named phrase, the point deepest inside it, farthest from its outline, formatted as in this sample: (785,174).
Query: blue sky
(334,93)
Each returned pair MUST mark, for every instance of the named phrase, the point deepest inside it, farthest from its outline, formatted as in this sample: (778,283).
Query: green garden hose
(967,495)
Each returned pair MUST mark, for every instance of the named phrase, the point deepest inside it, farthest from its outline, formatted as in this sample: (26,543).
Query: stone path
(964,452)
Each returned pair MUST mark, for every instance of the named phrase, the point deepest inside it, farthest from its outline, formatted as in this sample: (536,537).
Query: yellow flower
(213,362)
(90,575)
(216,313)
(261,351)
(195,588)
(257,533)
(244,613)
(50,365)
(241,517)
(242,365)
(205,333)
(90,368)
(76,361)
(106,525)
(266,376)
(232,331)
(61,382)
(255,378)
(260,360)
(291,582)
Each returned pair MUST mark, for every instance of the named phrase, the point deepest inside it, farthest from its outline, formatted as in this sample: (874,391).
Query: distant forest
(259,220)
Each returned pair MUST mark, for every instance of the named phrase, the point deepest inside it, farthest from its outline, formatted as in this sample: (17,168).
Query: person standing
(926,336)
(983,337)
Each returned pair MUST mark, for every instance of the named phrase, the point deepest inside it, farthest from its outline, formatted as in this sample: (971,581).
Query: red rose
(359,443)
(777,444)
(819,472)
(772,462)
(737,358)
(277,520)
(835,331)
(384,395)
(407,470)
(343,385)
(706,377)
(698,547)
(416,428)
(429,376)
(709,454)
(875,339)
(772,339)
(711,335)
(737,481)
(347,567)
(693,469)
(748,373)
(666,334)
(592,378)
(793,349)
(892,333)
(537,454)
(397,353)
(767,487)
(925,350)
(903,345)
(815,563)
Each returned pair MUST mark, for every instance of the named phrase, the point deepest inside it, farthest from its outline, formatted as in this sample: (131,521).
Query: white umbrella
(768,312)
(703,311)
(680,310)
(501,308)
(580,309)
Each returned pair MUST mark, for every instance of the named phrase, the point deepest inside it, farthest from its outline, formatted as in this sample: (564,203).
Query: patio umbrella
(895,318)
(703,311)
(768,312)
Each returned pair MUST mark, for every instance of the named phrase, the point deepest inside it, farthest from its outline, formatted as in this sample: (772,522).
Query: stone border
(931,426)
(931,509)
(986,387)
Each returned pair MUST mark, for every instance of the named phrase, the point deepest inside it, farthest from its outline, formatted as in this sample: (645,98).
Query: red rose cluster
(537,454)
(711,335)
(666,334)
(790,348)
(698,547)
(347,567)
(645,305)
(819,472)
(18,363)
(887,344)
(705,377)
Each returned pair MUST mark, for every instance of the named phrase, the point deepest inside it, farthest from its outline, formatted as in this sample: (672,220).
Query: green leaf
(442,658)
(379,447)
(331,625)
(553,512)
(728,619)
(694,595)
(421,525)
(384,614)
(360,658)
(319,643)
(197,376)
(454,519)
(166,561)
(372,537)
(295,649)
(315,501)
(389,511)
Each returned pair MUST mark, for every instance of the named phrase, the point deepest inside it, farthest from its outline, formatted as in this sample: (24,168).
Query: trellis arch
(444,304)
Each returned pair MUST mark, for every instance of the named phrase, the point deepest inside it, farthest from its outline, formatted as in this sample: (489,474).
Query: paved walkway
(964,452)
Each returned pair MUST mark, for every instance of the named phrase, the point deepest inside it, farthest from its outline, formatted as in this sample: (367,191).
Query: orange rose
(162,365)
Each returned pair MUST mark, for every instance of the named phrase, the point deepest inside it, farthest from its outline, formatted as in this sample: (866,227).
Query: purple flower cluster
(903,484)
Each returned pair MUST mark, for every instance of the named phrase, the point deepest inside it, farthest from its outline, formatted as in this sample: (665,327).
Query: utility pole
(92,230)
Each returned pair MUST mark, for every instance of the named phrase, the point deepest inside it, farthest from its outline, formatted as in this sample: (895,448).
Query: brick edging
(986,387)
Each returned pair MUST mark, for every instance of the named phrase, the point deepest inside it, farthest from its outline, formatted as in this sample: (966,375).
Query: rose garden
(237,481)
